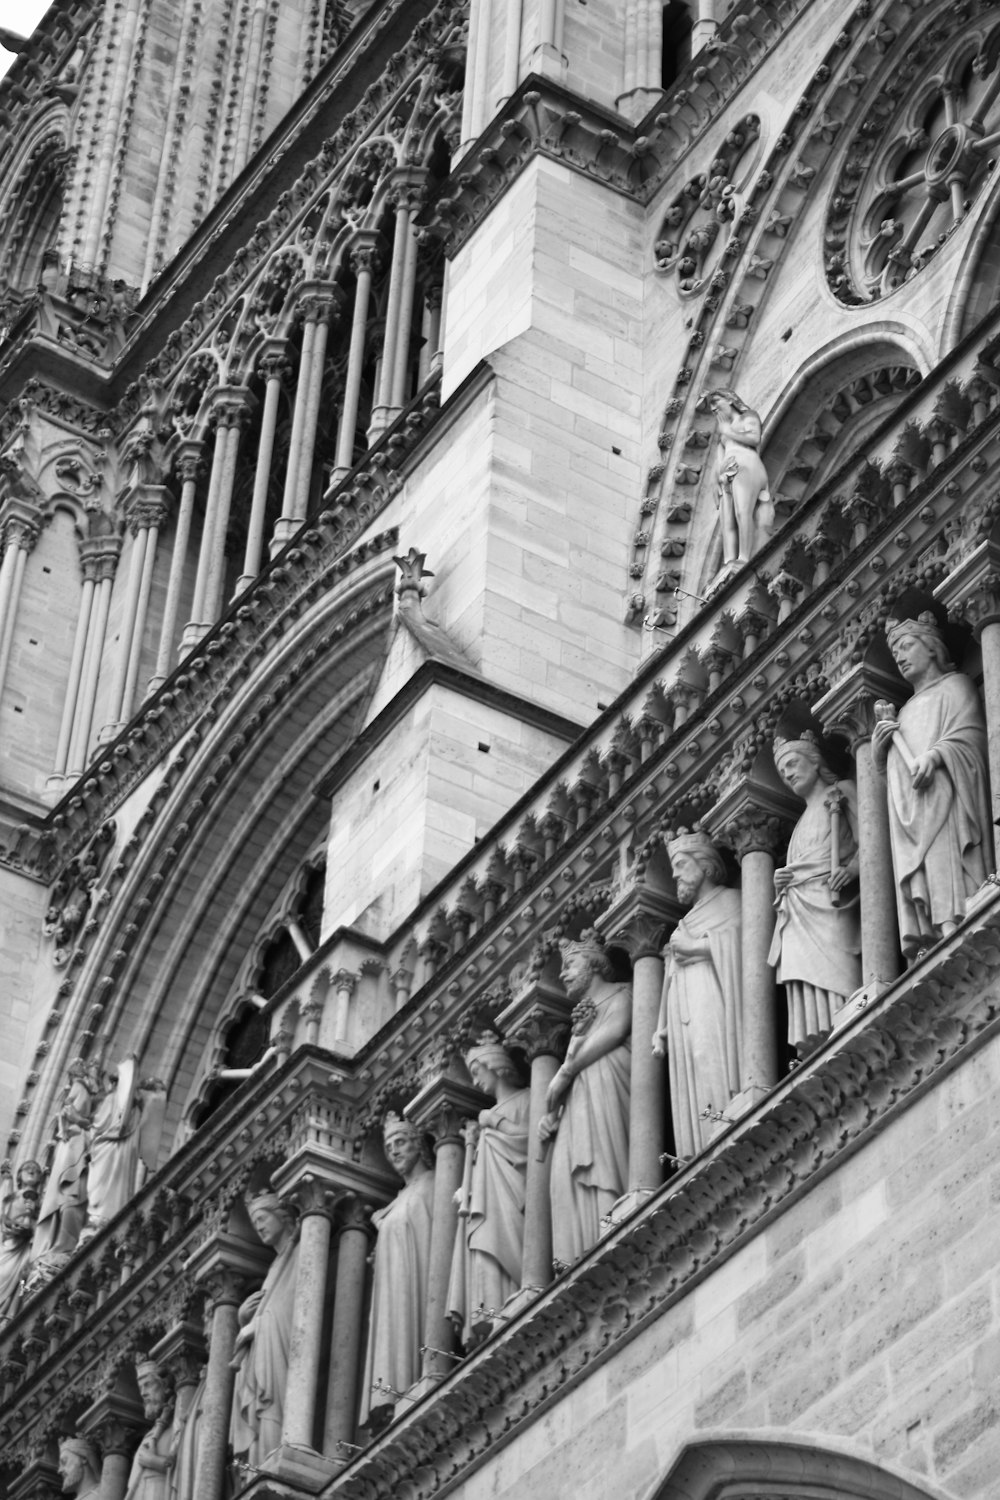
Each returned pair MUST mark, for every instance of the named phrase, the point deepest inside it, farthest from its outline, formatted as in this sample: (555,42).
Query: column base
(858,1002)
(191,635)
(304,1467)
(55,786)
(626,1205)
(739,1105)
(423,1387)
(285,528)
(548,62)
(110,732)
(516,1304)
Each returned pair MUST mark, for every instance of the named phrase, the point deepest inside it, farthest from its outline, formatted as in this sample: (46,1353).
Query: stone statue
(63,1208)
(743,496)
(700,1025)
(934,758)
(152,1468)
(17,1224)
(262,1344)
(402,1262)
(817,936)
(124,1135)
(486,1268)
(79,1468)
(188,1422)
(587,1102)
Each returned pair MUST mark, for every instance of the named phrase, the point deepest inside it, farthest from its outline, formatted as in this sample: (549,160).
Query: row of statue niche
(105,1136)
(164,1464)
(934,754)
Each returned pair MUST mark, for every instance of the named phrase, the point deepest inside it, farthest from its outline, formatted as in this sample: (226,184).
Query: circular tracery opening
(918,161)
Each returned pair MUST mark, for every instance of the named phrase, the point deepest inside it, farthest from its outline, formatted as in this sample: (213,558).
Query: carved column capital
(753,831)
(345,982)
(231,406)
(313,1195)
(848,708)
(189,462)
(972,587)
(183,1351)
(319,301)
(274,366)
(538,1020)
(752,817)
(354,1212)
(442,1107)
(148,506)
(638,919)
(224,1265)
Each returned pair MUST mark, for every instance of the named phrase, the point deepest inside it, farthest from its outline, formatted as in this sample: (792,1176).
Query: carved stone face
(689,875)
(798,772)
(403,1150)
(29,1175)
(483,1076)
(912,657)
(269,1225)
(575,972)
(70,1469)
(153,1393)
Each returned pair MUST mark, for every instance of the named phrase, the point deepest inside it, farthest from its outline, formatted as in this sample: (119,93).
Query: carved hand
(547,1126)
(881,740)
(842,876)
(923,770)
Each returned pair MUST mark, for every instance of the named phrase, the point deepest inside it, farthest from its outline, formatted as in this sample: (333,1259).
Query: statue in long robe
(151,1476)
(399,1284)
(262,1344)
(79,1468)
(700,1024)
(17,1224)
(123,1137)
(816,948)
(934,758)
(486,1266)
(587,1104)
(63,1208)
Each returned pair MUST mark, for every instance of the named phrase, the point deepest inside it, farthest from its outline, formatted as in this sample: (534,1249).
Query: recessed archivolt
(199,893)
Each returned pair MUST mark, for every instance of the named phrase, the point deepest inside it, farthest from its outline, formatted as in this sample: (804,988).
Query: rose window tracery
(919,159)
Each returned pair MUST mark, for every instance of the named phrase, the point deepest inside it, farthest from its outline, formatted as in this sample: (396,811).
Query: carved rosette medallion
(921,155)
(701,221)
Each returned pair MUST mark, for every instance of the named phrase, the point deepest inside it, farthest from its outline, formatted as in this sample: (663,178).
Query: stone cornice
(941,1012)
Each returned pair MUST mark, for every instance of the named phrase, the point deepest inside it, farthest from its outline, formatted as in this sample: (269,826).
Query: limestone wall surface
(863,1319)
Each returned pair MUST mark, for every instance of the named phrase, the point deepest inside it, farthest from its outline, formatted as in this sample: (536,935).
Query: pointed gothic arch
(763,1469)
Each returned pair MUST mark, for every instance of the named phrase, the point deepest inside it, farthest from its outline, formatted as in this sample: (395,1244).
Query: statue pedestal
(628,1204)
(739,1105)
(301,1466)
(858,1002)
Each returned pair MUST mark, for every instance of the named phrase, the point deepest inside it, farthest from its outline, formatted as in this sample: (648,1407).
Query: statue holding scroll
(743,495)
(934,758)
(486,1268)
(79,1468)
(701,1010)
(817,936)
(402,1263)
(587,1102)
(262,1345)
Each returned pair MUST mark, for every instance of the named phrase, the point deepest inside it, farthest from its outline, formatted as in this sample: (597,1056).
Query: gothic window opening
(677,28)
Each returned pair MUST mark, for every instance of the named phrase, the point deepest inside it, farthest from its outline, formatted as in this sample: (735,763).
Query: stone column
(345,982)
(354,1237)
(189,461)
(224,1266)
(973,590)
(316,1199)
(643,57)
(317,303)
(538,1021)
(848,709)
(147,513)
(114,1422)
(756,836)
(441,1108)
(639,921)
(400,296)
(752,818)
(274,367)
(19,531)
(100,559)
(229,410)
(362,257)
